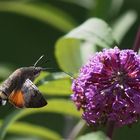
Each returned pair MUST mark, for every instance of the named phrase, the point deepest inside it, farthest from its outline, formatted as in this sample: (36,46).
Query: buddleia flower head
(108,88)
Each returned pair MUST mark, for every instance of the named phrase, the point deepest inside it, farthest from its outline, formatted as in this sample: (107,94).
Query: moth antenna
(38,60)
(47,61)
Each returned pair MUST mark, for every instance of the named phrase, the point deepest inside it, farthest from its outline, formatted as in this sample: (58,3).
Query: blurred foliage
(95,135)
(67,32)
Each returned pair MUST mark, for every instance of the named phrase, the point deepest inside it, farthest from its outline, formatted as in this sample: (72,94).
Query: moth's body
(19,90)
(16,79)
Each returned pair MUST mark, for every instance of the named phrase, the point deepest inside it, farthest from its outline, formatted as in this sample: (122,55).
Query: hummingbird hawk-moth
(20,91)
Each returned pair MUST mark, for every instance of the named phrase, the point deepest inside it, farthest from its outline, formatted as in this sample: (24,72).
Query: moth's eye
(36,72)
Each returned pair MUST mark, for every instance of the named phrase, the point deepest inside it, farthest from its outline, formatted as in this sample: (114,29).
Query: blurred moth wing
(27,97)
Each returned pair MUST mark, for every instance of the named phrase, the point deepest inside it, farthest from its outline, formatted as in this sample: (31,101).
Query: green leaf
(68,54)
(57,87)
(60,106)
(94,136)
(73,50)
(57,83)
(47,14)
(33,130)
(123,24)
(102,8)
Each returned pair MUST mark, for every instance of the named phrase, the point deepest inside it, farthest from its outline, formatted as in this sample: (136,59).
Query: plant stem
(110,129)
(136,45)
(81,125)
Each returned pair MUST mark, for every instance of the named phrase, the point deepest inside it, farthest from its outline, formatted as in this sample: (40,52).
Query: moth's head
(32,72)
(36,70)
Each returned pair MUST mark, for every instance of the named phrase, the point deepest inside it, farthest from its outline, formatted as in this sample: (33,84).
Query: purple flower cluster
(108,88)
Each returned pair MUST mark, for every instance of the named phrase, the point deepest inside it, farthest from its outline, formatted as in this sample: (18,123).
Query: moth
(19,89)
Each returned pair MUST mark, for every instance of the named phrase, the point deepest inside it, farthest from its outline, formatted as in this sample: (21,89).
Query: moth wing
(28,96)
(32,96)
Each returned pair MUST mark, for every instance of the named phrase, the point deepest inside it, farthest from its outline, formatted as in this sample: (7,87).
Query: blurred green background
(24,37)
(30,28)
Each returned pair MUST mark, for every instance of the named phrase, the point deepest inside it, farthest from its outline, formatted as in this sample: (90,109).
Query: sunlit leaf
(47,14)
(68,54)
(33,130)
(57,87)
(73,50)
(123,24)
(57,83)
(93,136)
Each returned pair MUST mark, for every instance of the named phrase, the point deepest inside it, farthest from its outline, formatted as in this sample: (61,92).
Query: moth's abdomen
(11,83)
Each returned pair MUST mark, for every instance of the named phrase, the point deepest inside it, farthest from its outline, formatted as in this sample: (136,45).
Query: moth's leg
(3,102)
(3,98)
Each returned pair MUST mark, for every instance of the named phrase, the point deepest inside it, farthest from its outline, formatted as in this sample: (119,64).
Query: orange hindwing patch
(17,98)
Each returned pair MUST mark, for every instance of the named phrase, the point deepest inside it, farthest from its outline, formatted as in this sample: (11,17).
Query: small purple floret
(108,88)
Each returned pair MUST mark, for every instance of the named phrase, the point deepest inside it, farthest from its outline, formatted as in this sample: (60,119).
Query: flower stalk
(136,45)
(81,125)
(110,129)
